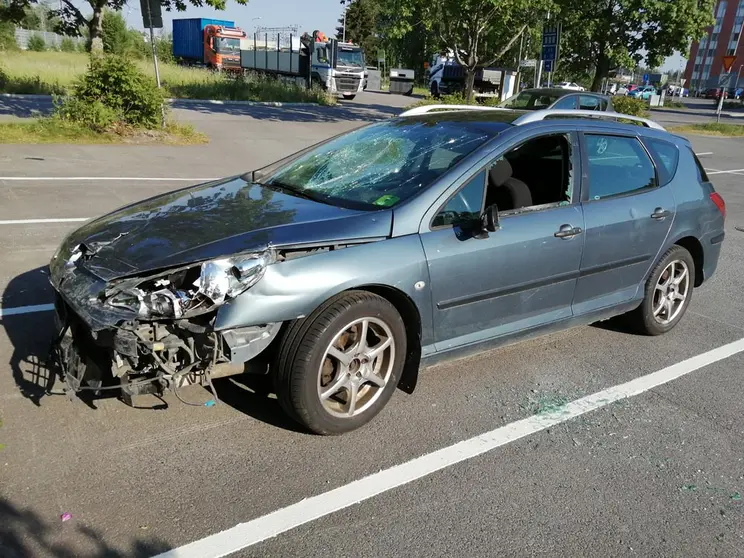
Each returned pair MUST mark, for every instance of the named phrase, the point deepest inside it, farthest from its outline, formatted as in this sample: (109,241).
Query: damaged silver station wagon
(342,269)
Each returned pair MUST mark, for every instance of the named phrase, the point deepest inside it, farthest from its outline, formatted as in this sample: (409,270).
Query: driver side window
(465,206)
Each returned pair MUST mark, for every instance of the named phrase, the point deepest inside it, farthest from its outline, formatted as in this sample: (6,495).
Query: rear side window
(617,166)
(666,157)
(702,175)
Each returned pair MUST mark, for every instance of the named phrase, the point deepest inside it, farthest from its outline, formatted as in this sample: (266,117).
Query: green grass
(674,104)
(54,130)
(47,73)
(711,129)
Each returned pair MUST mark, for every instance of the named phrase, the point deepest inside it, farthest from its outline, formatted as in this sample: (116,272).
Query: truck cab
(222,47)
(338,67)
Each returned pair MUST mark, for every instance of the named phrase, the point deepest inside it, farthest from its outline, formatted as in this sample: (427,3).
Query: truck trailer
(446,76)
(214,43)
(309,59)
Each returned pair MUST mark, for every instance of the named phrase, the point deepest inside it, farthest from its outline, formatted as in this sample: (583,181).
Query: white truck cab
(339,67)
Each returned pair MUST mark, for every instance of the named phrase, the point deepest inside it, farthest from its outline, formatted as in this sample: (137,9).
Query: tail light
(720,204)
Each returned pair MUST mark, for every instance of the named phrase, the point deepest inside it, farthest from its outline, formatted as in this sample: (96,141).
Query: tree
(72,21)
(361,24)
(603,35)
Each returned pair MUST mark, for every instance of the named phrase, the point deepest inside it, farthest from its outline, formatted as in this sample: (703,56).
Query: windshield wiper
(294,190)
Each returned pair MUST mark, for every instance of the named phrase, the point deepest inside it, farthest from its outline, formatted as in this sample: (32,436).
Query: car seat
(504,190)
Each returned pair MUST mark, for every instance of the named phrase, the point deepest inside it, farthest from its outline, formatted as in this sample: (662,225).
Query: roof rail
(429,108)
(539,115)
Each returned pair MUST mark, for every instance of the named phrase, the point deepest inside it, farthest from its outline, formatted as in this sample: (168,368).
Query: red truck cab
(222,47)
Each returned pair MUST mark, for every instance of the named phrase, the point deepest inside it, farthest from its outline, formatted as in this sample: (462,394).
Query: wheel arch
(695,248)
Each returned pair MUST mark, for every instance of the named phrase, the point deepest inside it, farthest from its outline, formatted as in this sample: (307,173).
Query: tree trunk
(469,83)
(602,71)
(95,27)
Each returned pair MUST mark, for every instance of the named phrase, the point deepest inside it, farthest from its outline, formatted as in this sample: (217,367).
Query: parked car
(557,98)
(570,85)
(340,270)
(738,93)
(621,91)
(644,92)
(715,93)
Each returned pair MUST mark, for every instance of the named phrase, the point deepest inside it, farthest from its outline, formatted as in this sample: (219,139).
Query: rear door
(627,213)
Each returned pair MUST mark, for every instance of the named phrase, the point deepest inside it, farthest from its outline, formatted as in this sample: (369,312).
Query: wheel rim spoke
(660,307)
(352,390)
(335,386)
(378,349)
(682,277)
(376,380)
(341,356)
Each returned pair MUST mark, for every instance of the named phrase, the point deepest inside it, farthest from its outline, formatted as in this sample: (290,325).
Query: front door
(628,216)
(522,275)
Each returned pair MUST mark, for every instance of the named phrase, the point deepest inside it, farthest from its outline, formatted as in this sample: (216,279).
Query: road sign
(645,78)
(728,61)
(551,39)
(549,52)
(683,81)
(724,80)
(528,63)
(548,66)
(152,15)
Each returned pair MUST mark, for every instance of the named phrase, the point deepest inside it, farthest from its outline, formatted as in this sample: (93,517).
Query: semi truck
(214,43)
(446,76)
(337,67)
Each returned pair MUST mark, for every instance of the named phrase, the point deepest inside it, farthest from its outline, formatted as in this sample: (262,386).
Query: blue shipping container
(188,36)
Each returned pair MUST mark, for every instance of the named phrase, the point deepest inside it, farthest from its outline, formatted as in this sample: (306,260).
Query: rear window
(666,158)
(702,175)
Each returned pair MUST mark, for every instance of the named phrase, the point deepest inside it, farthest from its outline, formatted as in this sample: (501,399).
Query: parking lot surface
(657,474)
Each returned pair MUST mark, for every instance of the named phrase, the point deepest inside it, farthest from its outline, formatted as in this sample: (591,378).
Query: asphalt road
(659,474)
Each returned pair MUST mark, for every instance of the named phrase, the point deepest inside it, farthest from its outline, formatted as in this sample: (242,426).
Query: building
(706,57)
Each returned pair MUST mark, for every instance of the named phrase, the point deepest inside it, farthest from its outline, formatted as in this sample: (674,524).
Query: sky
(308,15)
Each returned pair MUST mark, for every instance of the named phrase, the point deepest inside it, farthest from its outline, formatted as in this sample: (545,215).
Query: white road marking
(252,532)
(727,171)
(115,178)
(704,153)
(39,221)
(25,310)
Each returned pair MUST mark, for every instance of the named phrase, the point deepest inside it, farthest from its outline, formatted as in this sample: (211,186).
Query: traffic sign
(152,16)
(548,52)
(645,78)
(724,80)
(728,61)
(551,39)
(547,66)
(530,63)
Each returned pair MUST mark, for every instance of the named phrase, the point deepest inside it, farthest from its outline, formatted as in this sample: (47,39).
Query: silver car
(341,270)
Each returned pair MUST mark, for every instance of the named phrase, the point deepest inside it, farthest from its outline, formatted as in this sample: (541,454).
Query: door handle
(660,214)
(567,231)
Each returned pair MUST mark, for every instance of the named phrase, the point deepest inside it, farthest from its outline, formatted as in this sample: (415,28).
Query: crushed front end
(154,332)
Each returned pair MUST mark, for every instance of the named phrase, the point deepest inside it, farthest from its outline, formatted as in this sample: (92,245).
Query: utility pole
(519,63)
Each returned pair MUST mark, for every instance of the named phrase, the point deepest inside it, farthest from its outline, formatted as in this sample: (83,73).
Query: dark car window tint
(380,165)
(568,102)
(666,156)
(531,100)
(617,165)
(465,206)
(589,102)
(702,175)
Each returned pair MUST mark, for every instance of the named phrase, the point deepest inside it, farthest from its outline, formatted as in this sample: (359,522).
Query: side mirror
(490,219)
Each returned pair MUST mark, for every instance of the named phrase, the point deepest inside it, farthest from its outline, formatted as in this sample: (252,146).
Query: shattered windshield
(350,58)
(531,100)
(379,165)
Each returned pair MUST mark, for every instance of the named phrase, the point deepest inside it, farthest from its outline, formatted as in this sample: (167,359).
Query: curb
(185,101)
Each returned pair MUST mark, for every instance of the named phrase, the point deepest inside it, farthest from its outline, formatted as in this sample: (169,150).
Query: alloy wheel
(671,292)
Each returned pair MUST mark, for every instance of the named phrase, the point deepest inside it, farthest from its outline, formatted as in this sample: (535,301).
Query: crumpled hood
(209,221)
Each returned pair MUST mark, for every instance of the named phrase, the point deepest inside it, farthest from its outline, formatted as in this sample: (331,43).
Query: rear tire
(434,88)
(668,293)
(321,365)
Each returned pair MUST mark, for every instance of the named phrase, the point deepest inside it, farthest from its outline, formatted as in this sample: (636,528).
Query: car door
(520,276)
(627,217)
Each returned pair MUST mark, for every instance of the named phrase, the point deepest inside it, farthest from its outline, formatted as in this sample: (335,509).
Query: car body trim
(614,265)
(452,303)
(718,238)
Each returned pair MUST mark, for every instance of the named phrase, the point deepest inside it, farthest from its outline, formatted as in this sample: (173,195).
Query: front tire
(667,294)
(349,97)
(338,368)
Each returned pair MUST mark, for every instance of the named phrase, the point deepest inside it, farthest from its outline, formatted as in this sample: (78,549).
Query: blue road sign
(551,37)
(645,78)
(548,52)
(547,65)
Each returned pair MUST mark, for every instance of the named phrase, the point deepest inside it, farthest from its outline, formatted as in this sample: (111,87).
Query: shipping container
(188,36)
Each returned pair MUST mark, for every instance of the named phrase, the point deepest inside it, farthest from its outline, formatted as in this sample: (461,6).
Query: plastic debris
(688,487)
(736,496)
(66,516)
(210,403)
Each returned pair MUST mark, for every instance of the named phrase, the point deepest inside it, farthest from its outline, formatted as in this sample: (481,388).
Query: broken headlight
(194,289)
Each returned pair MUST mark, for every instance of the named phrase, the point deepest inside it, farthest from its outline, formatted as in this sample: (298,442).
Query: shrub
(7,36)
(115,83)
(92,114)
(36,43)
(68,45)
(164,50)
(630,105)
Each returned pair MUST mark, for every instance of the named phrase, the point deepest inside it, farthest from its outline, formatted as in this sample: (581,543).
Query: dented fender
(293,288)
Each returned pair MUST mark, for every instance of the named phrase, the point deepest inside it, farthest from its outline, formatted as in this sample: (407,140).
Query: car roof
(561,92)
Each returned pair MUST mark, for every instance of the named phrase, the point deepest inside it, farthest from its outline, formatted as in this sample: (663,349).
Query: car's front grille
(348,83)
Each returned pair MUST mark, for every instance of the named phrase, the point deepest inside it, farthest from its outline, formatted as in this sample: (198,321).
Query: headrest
(500,172)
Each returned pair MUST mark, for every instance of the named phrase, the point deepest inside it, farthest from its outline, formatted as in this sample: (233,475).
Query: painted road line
(38,221)
(260,529)
(25,310)
(114,178)
(727,171)
(704,153)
